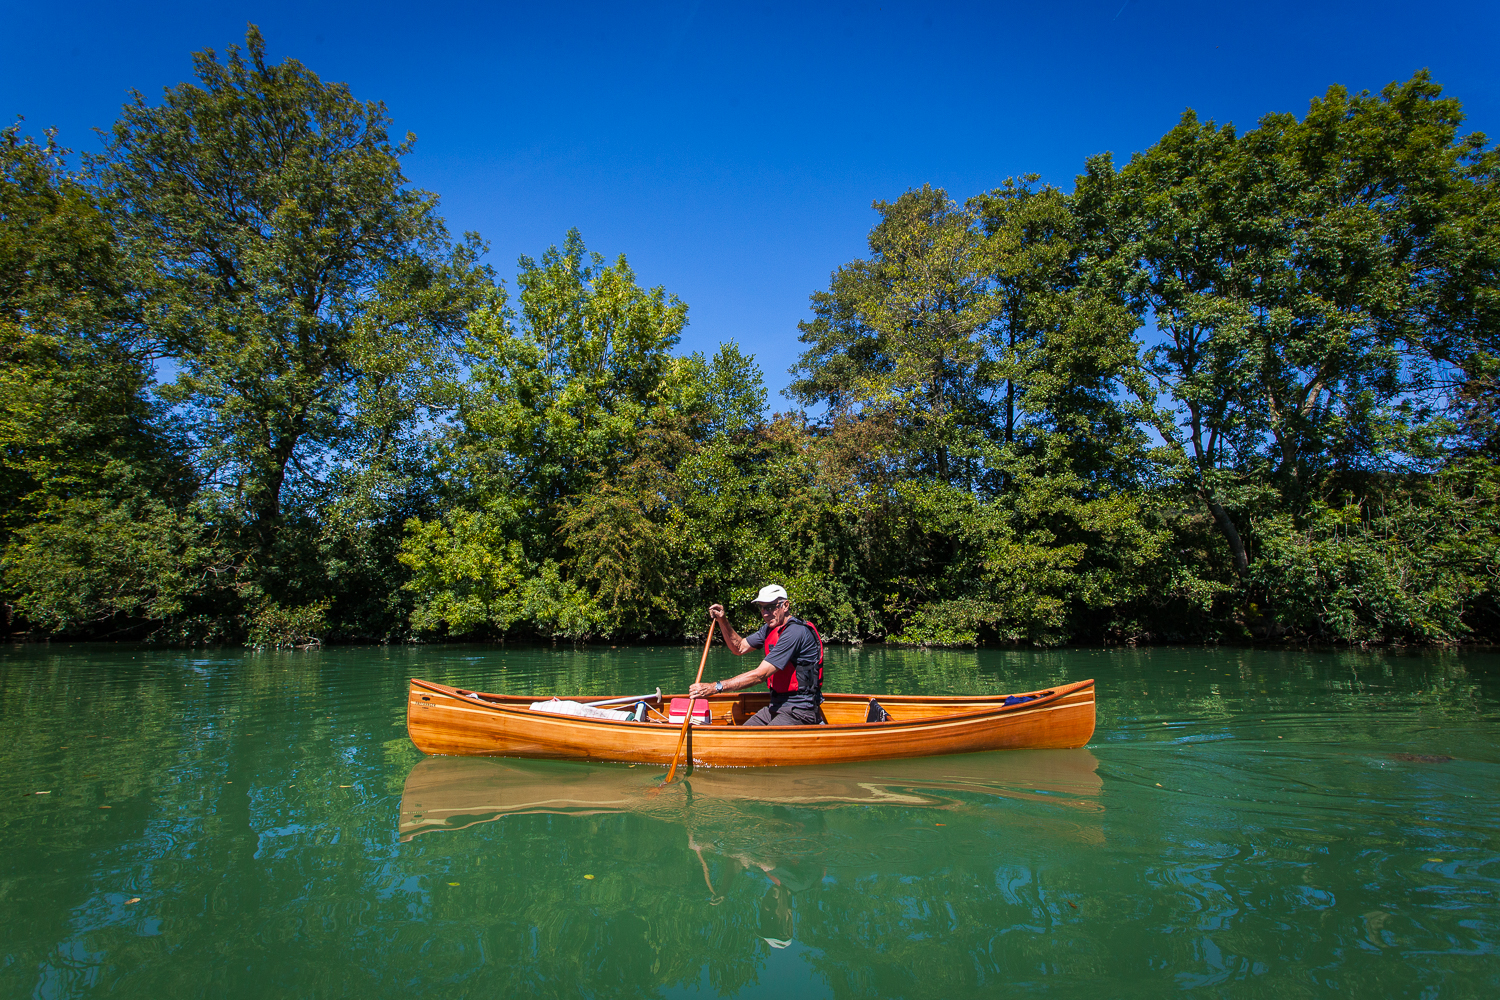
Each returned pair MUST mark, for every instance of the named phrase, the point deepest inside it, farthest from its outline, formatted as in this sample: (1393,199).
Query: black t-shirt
(797,656)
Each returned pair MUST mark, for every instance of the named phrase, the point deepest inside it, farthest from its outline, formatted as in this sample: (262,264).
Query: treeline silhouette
(1241,386)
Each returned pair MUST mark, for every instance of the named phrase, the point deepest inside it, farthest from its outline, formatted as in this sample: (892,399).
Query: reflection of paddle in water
(714,899)
(788,873)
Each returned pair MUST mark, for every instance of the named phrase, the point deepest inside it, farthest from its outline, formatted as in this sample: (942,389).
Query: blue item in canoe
(1016,699)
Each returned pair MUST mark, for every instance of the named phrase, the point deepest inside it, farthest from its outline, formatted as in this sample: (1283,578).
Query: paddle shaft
(620,701)
(682,737)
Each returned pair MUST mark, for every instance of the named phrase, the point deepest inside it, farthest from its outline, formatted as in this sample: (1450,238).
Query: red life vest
(785,679)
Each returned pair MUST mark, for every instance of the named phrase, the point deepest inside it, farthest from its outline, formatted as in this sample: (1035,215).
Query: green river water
(1244,823)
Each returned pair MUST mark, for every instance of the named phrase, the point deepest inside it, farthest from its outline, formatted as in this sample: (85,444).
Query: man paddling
(792,667)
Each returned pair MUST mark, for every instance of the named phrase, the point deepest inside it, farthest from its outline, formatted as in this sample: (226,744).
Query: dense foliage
(1243,385)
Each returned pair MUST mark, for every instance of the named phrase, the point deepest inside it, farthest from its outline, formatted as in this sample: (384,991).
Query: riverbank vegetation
(1241,385)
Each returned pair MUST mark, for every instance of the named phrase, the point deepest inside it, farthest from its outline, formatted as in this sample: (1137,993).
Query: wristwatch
(719,687)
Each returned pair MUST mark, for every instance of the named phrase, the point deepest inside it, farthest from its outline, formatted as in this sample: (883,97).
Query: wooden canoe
(458,722)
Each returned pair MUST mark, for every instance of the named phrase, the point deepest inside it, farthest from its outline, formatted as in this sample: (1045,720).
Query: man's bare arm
(735,642)
(735,683)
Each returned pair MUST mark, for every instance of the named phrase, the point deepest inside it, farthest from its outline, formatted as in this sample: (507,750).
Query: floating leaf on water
(1375,920)
(106,807)
(940,824)
(588,876)
(41,793)
(346,786)
(1072,904)
(453,883)
(132,899)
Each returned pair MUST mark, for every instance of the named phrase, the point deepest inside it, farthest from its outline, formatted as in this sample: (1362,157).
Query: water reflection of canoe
(453,793)
(446,720)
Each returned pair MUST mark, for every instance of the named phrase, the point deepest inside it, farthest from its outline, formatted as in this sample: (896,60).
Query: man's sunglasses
(766,609)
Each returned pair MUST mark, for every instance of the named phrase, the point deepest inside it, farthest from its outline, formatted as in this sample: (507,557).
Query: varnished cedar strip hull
(450,724)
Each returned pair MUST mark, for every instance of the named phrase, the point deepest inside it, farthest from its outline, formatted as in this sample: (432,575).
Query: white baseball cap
(769,593)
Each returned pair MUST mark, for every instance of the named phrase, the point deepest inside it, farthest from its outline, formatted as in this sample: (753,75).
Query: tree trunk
(267,509)
(1231,535)
(1010,411)
(1010,386)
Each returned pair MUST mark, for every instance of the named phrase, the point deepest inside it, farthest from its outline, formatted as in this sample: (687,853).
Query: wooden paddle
(688,721)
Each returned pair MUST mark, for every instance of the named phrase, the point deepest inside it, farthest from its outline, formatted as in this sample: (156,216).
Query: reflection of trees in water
(862,887)
(287,882)
(1344,695)
(755,872)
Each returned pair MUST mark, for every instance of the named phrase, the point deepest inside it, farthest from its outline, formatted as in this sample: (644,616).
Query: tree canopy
(1243,385)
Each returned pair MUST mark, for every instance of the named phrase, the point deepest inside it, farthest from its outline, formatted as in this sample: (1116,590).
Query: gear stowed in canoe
(447,720)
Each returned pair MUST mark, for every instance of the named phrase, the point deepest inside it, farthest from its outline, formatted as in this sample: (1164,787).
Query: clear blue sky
(732,151)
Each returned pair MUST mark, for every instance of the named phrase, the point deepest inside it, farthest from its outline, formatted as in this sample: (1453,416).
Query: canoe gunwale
(467,723)
(1041,699)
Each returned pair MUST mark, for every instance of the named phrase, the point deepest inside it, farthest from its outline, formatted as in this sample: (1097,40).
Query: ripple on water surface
(1250,822)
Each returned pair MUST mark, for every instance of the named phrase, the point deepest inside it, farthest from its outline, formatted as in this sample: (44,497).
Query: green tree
(1048,529)
(1282,271)
(1456,312)
(565,464)
(310,298)
(72,396)
(1031,255)
(94,530)
(1412,560)
(903,336)
(1063,346)
(561,387)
